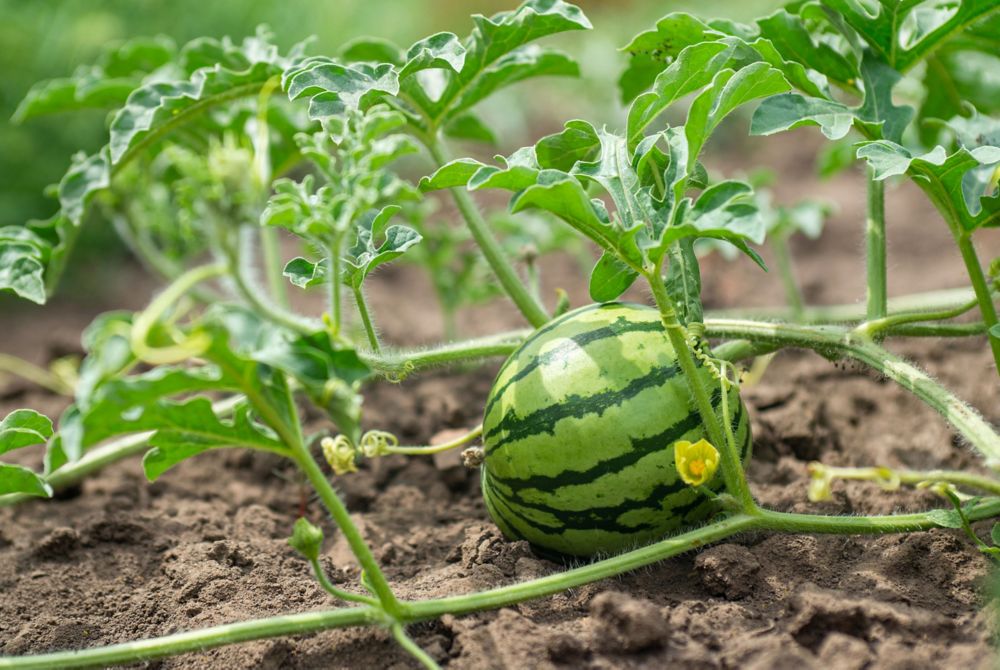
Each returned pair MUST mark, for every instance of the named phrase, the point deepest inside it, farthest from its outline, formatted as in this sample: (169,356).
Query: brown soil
(118,559)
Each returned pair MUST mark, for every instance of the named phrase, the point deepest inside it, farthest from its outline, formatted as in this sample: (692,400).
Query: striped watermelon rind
(578,433)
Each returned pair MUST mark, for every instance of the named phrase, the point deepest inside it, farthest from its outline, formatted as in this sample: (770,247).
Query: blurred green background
(40,39)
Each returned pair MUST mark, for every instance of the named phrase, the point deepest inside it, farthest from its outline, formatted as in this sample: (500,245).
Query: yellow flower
(339,453)
(696,462)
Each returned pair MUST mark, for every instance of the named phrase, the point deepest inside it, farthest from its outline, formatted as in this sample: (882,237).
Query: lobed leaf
(944,177)
(24,428)
(19,479)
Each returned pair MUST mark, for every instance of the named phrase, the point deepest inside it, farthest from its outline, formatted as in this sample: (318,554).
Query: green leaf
(456,173)
(683,282)
(24,428)
(943,177)
(651,51)
(190,428)
(365,255)
(443,51)
(610,278)
(728,91)
(371,50)
(518,171)
(694,68)
(793,110)
(562,195)
(946,518)
(903,32)
(106,84)
(468,126)
(562,151)
(356,86)
(791,37)
(304,273)
(18,479)
(995,331)
(995,534)
(22,263)
(498,54)
(877,111)
(306,539)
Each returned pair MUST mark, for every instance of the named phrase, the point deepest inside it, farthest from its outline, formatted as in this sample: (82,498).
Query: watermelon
(579,430)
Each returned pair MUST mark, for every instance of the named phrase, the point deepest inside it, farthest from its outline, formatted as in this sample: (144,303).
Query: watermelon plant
(614,433)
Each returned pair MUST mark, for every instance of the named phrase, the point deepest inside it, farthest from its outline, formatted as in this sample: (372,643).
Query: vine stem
(529,306)
(783,261)
(827,339)
(340,594)
(437,448)
(387,599)
(407,643)
(982,289)
(34,374)
(298,624)
(167,298)
(112,452)
(912,477)
(253,296)
(877,295)
(271,256)
(402,362)
(366,319)
(871,328)
(732,466)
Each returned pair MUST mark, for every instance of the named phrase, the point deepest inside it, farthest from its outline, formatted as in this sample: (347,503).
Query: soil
(118,559)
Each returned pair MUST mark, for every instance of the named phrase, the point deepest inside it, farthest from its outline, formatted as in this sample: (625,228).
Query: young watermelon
(578,434)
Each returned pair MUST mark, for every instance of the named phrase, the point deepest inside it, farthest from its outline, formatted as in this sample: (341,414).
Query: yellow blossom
(339,453)
(696,462)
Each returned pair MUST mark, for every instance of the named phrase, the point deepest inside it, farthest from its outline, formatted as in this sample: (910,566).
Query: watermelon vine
(614,433)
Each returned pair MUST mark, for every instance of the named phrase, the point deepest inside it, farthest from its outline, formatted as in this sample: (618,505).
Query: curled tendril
(377,443)
(340,453)
(820,479)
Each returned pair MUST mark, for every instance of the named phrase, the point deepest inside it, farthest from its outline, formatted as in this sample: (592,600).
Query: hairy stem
(832,339)
(298,624)
(982,289)
(473,434)
(783,261)
(732,466)
(366,319)
(271,256)
(36,375)
(877,296)
(411,647)
(529,306)
(340,594)
(253,296)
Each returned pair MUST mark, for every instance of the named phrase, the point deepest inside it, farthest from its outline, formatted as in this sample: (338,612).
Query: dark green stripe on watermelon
(578,434)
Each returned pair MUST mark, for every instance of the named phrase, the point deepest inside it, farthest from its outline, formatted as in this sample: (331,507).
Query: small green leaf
(943,176)
(442,50)
(18,479)
(306,539)
(793,110)
(995,332)
(371,50)
(22,263)
(24,428)
(610,278)
(468,126)
(946,518)
(562,151)
(304,273)
(199,431)
(453,174)
(366,255)
(683,282)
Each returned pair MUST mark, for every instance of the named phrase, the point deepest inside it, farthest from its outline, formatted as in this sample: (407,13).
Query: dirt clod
(728,570)
(624,624)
